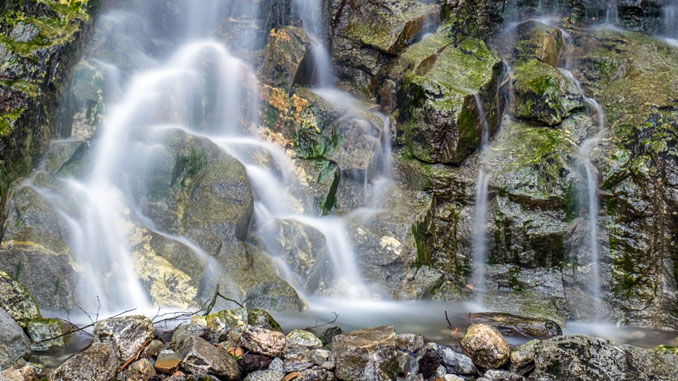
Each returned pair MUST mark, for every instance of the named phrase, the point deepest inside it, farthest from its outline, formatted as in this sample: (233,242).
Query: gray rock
(299,340)
(409,342)
(297,363)
(263,341)
(24,32)
(366,354)
(456,363)
(486,346)
(96,363)
(262,319)
(203,357)
(140,370)
(522,358)
(588,358)
(502,375)
(127,334)
(283,56)
(185,331)
(277,365)
(13,342)
(153,349)
(316,374)
(265,375)
(408,364)
(17,301)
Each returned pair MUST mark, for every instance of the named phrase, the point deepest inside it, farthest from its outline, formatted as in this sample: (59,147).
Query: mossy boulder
(543,94)
(41,331)
(365,34)
(17,301)
(447,91)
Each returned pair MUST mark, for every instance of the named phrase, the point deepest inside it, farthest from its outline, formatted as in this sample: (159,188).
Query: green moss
(666,350)
(420,232)
(571,203)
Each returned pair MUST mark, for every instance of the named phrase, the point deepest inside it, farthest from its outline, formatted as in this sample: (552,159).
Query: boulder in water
(518,326)
(486,346)
(366,354)
(39,330)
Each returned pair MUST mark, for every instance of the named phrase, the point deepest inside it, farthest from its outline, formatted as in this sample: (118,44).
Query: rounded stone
(486,346)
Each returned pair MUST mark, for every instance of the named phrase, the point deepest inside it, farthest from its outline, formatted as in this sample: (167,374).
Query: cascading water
(669,21)
(479,243)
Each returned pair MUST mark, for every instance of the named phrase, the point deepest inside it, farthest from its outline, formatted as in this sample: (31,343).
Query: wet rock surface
(126,334)
(14,344)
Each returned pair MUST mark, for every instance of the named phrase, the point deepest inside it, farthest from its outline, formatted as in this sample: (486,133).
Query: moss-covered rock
(365,34)
(445,90)
(41,331)
(543,94)
(17,301)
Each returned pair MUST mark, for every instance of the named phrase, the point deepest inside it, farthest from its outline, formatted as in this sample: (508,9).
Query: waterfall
(479,242)
(590,196)
(310,12)
(669,21)
(612,13)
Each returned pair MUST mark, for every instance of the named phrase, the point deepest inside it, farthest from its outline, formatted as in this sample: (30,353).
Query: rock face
(126,334)
(97,363)
(17,301)
(367,354)
(486,346)
(13,341)
(42,37)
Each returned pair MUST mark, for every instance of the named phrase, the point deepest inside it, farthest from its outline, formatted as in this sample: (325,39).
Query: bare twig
(449,324)
(83,327)
(336,316)
(136,357)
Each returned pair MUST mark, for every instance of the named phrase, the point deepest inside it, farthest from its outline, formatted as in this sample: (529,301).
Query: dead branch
(83,327)
(136,357)
(336,316)
(449,324)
